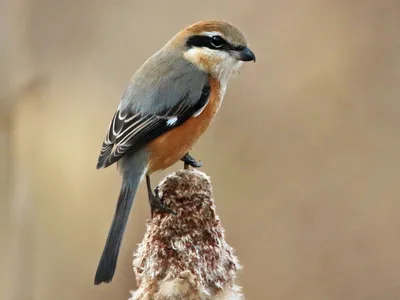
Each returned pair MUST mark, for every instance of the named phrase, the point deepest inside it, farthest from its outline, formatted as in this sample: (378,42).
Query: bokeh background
(303,156)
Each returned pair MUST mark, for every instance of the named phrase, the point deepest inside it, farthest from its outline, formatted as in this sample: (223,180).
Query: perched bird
(168,104)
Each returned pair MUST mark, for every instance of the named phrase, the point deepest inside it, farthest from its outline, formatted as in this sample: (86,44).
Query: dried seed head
(185,256)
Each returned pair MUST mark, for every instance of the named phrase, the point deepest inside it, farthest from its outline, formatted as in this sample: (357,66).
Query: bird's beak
(246,55)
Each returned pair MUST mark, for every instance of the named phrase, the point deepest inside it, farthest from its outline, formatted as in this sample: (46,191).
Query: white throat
(226,68)
(222,70)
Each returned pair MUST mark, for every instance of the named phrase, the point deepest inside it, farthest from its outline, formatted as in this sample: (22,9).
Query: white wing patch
(171,121)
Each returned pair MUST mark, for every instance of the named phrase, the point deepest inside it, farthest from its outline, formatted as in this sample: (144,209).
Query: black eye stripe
(207,41)
(238,48)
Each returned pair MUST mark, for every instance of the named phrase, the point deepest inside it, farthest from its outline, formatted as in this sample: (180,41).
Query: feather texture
(132,130)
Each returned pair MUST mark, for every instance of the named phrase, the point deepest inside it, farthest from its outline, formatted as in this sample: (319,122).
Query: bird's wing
(135,126)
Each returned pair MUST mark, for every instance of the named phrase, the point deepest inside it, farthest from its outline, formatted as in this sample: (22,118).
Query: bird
(167,105)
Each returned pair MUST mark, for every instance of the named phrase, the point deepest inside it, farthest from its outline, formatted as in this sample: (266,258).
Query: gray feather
(132,168)
(162,82)
(162,94)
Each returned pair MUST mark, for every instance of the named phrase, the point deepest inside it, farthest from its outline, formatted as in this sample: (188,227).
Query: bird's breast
(171,146)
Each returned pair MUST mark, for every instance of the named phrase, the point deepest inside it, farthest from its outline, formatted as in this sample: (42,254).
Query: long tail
(108,261)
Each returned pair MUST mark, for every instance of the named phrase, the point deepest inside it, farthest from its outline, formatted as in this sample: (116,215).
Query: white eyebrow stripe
(211,33)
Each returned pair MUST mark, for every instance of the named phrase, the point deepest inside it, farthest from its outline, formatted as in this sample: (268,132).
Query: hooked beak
(246,55)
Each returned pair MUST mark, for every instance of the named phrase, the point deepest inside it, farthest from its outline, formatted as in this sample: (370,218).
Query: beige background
(304,154)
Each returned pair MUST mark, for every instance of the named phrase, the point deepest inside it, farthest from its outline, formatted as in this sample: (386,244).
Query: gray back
(162,82)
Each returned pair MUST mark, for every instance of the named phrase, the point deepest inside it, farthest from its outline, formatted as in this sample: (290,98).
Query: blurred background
(303,156)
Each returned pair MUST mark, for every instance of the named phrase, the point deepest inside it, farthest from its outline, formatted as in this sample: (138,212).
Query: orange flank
(172,146)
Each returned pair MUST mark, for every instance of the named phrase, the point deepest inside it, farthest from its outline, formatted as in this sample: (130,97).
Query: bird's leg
(191,161)
(155,201)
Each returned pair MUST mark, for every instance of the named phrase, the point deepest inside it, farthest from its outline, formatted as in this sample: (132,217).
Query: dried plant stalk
(185,256)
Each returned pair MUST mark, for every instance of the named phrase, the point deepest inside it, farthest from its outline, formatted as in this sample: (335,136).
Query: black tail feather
(108,261)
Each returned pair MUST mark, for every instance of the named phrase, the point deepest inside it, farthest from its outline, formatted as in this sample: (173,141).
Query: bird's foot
(155,203)
(191,161)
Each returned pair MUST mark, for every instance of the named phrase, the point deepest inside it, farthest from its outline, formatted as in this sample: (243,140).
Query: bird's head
(216,47)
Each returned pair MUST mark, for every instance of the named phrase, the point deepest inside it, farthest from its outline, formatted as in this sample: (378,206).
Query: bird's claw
(155,203)
(191,161)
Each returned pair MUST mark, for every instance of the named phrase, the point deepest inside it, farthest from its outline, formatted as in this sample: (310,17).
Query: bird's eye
(217,41)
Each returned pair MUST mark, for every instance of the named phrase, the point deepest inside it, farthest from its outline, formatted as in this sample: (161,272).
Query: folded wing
(131,130)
